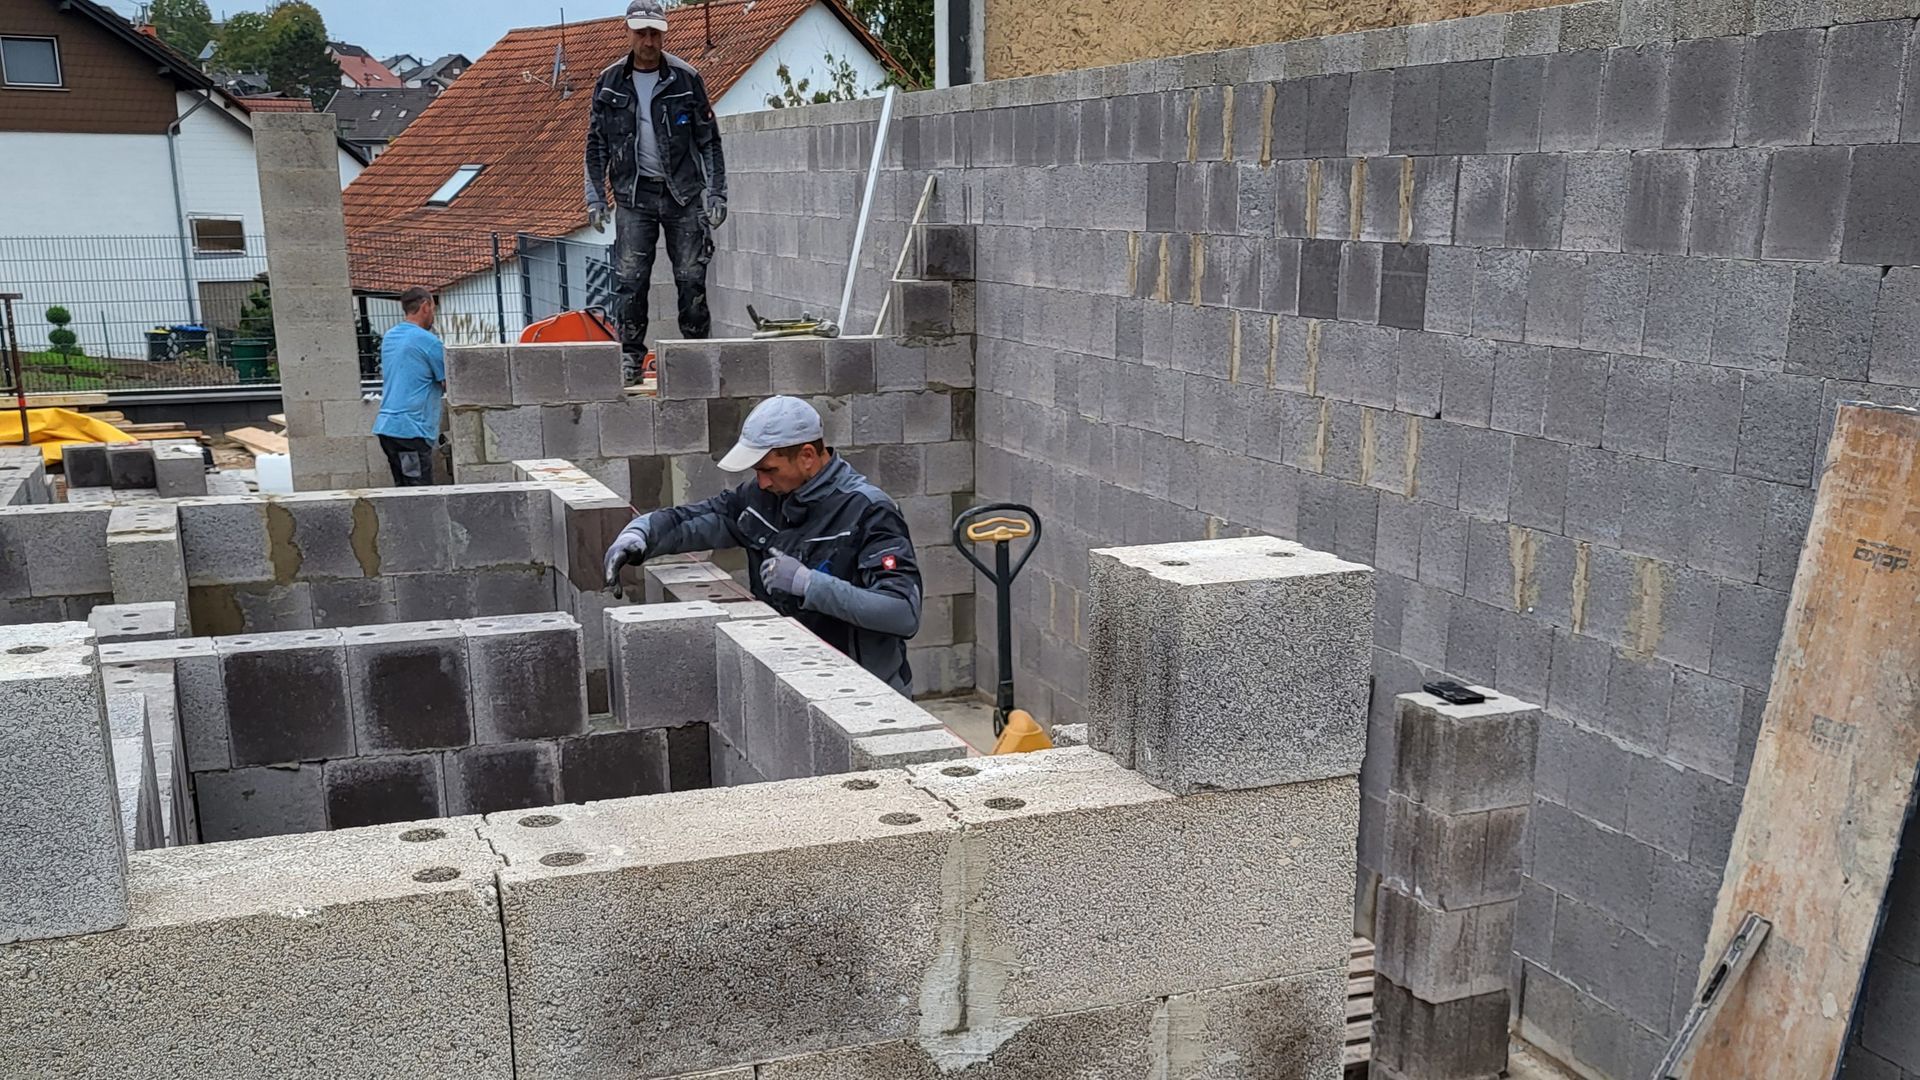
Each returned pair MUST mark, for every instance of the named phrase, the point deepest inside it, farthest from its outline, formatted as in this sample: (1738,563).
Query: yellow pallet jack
(1015,730)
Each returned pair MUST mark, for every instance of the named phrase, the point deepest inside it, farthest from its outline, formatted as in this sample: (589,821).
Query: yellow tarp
(52,429)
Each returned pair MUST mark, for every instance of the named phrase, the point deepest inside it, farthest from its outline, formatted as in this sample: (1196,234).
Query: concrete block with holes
(214,924)
(864,858)
(907,748)
(527,677)
(1279,862)
(794,695)
(145,560)
(748,654)
(1229,663)
(134,622)
(837,723)
(660,663)
(65,860)
(1465,758)
(409,686)
(693,580)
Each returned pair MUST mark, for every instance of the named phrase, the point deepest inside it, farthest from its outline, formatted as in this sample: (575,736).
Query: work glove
(597,217)
(783,572)
(716,210)
(629,548)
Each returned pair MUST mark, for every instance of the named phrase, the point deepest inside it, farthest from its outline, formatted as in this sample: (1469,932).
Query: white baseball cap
(646,15)
(774,424)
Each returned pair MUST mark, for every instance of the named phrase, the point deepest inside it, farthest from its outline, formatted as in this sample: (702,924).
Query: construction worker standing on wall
(827,547)
(653,144)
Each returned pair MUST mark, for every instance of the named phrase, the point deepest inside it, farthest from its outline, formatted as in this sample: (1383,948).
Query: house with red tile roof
(499,155)
(359,70)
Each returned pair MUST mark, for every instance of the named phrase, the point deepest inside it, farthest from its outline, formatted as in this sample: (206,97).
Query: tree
(297,60)
(64,341)
(186,25)
(244,42)
(846,86)
(905,27)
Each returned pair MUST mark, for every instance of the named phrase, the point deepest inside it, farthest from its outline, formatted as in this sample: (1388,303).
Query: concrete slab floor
(970,717)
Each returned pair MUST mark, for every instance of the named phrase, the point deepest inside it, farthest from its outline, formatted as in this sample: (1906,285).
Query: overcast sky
(426,28)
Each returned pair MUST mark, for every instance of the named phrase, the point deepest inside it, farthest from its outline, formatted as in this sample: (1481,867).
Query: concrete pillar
(65,859)
(1449,894)
(313,319)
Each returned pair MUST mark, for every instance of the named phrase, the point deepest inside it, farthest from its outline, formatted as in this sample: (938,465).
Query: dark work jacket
(683,125)
(838,524)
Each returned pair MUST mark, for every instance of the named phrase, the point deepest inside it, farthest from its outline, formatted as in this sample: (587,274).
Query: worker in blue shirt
(413,371)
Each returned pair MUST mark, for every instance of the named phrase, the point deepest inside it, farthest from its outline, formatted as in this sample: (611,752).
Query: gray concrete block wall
(1659,242)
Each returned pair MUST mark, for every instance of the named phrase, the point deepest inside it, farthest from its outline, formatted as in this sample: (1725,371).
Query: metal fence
(131,313)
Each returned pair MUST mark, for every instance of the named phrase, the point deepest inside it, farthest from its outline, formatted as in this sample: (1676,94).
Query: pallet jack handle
(975,526)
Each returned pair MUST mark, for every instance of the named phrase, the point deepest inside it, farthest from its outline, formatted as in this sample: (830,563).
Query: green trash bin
(250,359)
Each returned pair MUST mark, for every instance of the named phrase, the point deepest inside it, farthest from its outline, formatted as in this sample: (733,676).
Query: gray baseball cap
(647,15)
(774,424)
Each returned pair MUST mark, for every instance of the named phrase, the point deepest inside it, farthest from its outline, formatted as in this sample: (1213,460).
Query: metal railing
(126,313)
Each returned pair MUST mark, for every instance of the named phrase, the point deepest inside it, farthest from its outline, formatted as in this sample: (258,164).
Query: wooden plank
(260,442)
(278,418)
(1359,1008)
(64,401)
(1833,773)
(1357,1053)
(147,429)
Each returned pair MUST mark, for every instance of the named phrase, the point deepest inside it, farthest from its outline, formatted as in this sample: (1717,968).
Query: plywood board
(260,442)
(1833,774)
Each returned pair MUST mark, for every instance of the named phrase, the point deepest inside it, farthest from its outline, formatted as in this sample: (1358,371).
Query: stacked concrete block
(118,623)
(145,560)
(661,663)
(1448,900)
(55,562)
(749,657)
(686,580)
(130,467)
(897,750)
(391,933)
(522,402)
(23,477)
(313,320)
(287,697)
(1230,663)
(408,686)
(180,471)
(66,868)
(789,729)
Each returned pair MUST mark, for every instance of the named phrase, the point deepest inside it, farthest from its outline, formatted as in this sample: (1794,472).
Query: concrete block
(1779,88)
(215,924)
(85,465)
(1081,1046)
(1860,93)
(1442,956)
(63,550)
(789,731)
(137,785)
(144,557)
(907,748)
(836,723)
(1464,1039)
(67,869)
(1272,713)
(1556,298)
(134,622)
(130,467)
(1081,806)
(527,677)
(1633,103)
(1465,94)
(863,856)
(1513,125)
(1729,212)
(382,790)
(1536,200)
(1832,328)
(1806,202)
(180,472)
(537,375)
(409,687)
(1465,758)
(286,696)
(1594,215)
(1896,329)
(1453,862)
(661,663)
(1570,100)
(490,779)
(1659,201)
(850,365)
(1882,224)
(479,375)
(1480,212)
(1703,91)
(1779,427)
(594,371)
(610,765)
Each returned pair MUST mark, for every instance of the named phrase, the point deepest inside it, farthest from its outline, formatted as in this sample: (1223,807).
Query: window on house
(219,236)
(30,61)
(455,184)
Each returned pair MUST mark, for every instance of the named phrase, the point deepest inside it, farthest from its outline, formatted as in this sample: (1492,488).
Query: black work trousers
(410,459)
(637,231)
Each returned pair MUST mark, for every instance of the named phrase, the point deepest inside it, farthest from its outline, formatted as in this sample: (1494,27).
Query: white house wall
(803,48)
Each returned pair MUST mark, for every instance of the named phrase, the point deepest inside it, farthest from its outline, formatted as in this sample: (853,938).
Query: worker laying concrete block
(1230,663)
(65,862)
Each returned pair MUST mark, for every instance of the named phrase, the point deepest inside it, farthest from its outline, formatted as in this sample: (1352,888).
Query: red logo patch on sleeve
(887,562)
